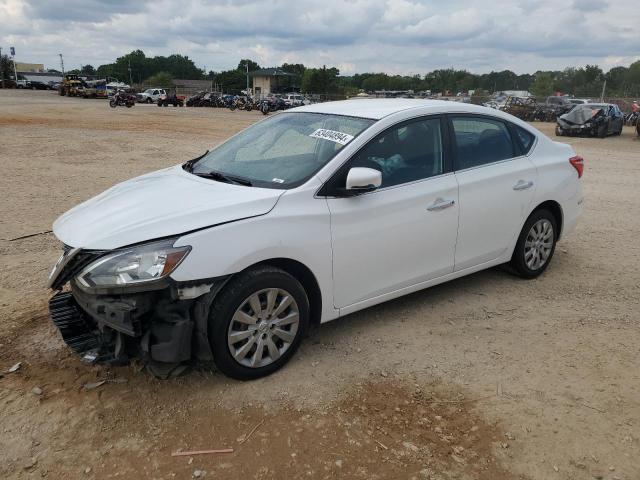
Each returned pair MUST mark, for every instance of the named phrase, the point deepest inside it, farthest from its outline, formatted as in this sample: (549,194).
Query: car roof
(377,108)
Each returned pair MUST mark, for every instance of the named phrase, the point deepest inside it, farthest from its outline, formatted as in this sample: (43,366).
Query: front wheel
(257,322)
(113,103)
(535,245)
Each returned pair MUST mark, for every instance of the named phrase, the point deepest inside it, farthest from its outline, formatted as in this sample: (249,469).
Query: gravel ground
(486,377)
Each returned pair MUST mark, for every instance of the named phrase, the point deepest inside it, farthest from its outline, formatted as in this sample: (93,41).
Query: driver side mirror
(363,180)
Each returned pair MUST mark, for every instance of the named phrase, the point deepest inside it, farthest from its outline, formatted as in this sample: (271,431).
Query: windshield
(283,151)
(149,91)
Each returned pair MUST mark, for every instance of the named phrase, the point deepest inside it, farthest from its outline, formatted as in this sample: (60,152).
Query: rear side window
(480,141)
(526,138)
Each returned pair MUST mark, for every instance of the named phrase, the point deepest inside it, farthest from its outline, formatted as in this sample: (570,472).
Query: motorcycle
(263,106)
(122,99)
(632,119)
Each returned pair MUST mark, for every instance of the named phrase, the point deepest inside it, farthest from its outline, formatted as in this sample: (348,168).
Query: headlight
(134,265)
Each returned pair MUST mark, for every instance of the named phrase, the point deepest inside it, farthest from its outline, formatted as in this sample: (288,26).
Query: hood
(579,115)
(159,204)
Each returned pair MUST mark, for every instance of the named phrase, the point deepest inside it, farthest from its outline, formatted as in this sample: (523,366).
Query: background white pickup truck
(151,95)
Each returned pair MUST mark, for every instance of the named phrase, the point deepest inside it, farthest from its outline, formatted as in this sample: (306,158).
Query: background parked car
(151,95)
(38,85)
(579,101)
(293,100)
(175,100)
(9,84)
(593,119)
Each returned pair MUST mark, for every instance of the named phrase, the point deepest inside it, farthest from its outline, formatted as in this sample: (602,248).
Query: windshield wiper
(188,166)
(223,177)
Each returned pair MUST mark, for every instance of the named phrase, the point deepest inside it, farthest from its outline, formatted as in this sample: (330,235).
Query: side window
(409,152)
(526,138)
(480,141)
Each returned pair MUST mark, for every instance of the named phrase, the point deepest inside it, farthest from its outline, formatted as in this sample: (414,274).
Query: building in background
(272,80)
(30,67)
(190,87)
(44,77)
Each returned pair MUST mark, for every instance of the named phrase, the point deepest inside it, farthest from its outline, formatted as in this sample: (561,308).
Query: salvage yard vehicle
(173,99)
(522,107)
(71,85)
(593,119)
(151,95)
(302,218)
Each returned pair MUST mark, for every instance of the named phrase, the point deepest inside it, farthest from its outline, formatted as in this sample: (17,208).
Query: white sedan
(304,217)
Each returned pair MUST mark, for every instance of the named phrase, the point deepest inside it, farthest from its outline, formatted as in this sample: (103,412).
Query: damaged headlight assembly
(135,265)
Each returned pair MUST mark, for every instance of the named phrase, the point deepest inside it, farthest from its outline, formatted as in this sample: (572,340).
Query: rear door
(496,186)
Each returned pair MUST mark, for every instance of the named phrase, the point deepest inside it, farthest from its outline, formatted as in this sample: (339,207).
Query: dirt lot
(487,377)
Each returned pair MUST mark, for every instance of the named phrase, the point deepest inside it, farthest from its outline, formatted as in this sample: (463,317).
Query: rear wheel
(257,322)
(536,244)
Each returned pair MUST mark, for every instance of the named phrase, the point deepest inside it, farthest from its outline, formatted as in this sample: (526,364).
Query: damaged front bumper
(166,326)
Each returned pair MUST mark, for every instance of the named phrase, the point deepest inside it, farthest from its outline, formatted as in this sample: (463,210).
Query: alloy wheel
(263,327)
(538,244)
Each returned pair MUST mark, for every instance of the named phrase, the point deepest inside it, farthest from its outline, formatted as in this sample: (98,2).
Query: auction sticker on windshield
(332,135)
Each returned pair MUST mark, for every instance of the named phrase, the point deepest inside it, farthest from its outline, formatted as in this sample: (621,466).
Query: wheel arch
(556,210)
(305,276)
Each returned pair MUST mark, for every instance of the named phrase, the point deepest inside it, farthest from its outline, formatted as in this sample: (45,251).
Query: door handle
(522,185)
(440,204)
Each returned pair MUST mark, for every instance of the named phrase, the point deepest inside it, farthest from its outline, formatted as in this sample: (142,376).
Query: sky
(392,36)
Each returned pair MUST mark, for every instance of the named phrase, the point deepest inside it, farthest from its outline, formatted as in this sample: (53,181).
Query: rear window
(526,139)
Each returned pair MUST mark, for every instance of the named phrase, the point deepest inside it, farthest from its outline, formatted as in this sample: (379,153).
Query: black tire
(149,100)
(112,103)
(518,262)
(224,306)
(602,131)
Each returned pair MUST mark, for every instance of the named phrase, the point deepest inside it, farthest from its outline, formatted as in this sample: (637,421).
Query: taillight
(578,164)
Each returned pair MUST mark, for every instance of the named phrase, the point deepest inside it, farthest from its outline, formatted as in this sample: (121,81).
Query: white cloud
(396,36)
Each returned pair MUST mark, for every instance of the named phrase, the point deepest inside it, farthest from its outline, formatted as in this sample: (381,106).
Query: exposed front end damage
(581,121)
(164,324)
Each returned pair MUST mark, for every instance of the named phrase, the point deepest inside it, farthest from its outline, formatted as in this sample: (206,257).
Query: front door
(403,233)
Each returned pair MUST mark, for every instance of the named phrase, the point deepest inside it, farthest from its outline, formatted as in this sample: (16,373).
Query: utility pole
(13,59)
(1,69)
(246,64)
(61,64)
(604,87)
(130,81)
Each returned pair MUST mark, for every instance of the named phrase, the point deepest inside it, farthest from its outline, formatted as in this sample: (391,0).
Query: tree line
(581,82)
(137,68)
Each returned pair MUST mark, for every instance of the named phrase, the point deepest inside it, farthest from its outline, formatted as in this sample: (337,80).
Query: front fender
(298,228)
